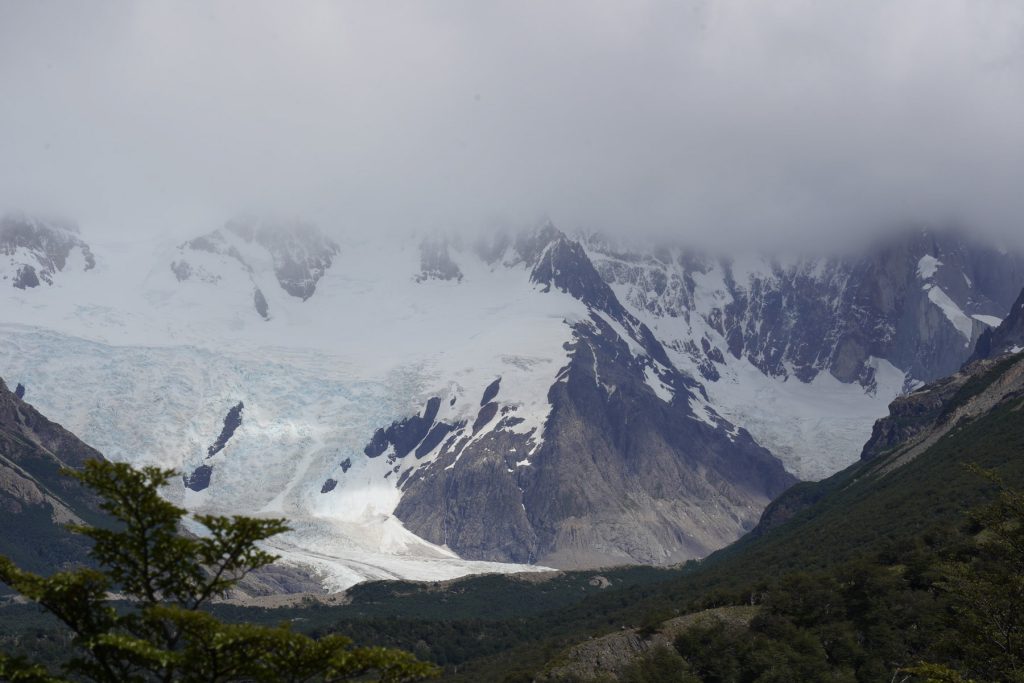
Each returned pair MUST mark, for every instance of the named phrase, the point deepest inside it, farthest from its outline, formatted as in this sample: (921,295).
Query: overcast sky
(723,120)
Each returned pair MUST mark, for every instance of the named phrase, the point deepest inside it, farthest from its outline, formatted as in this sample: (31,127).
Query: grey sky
(727,119)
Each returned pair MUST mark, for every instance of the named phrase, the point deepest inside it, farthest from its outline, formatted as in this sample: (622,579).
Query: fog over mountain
(778,123)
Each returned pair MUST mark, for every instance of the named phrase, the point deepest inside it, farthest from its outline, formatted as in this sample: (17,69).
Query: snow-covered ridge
(258,256)
(34,251)
(807,352)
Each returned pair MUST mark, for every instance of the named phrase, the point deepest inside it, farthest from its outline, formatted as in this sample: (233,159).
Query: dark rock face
(436,262)
(232,421)
(378,444)
(37,250)
(564,265)
(935,404)
(26,278)
(19,391)
(434,438)
(199,479)
(36,500)
(484,417)
(328,486)
(1009,335)
(416,432)
(911,414)
(490,392)
(479,512)
(828,314)
(260,302)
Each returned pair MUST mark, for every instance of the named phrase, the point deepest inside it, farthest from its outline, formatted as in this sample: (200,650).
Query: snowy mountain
(630,464)
(250,253)
(807,352)
(424,408)
(33,252)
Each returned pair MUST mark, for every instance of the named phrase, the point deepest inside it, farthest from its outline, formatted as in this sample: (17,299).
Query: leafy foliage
(168,579)
(954,616)
(986,592)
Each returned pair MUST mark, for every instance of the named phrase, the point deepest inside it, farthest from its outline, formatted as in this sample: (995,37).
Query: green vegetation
(162,631)
(873,576)
(953,615)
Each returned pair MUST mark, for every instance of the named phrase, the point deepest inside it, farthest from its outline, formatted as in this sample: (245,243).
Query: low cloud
(716,121)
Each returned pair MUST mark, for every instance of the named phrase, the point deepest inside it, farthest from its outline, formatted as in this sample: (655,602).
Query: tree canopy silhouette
(157,629)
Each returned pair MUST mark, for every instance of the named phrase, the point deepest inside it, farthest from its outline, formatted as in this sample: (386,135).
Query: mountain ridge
(653,360)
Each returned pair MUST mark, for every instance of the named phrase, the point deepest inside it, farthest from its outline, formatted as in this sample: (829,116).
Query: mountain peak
(33,251)
(1007,337)
(257,253)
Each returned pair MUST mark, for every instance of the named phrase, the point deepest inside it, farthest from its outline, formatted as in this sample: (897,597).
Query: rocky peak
(300,251)
(297,253)
(1007,337)
(563,264)
(918,299)
(33,251)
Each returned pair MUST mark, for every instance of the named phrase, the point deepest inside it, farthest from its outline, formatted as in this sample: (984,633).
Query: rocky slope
(606,658)
(36,500)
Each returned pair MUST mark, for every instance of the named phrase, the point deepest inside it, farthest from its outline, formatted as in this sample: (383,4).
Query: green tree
(987,592)
(158,630)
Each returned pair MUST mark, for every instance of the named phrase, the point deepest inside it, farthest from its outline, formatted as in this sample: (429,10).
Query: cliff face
(1008,337)
(36,500)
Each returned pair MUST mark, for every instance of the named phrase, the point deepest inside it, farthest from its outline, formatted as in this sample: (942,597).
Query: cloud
(722,120)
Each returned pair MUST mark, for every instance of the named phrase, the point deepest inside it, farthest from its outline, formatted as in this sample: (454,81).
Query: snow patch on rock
(990,320)
(960,320)
(927,266)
